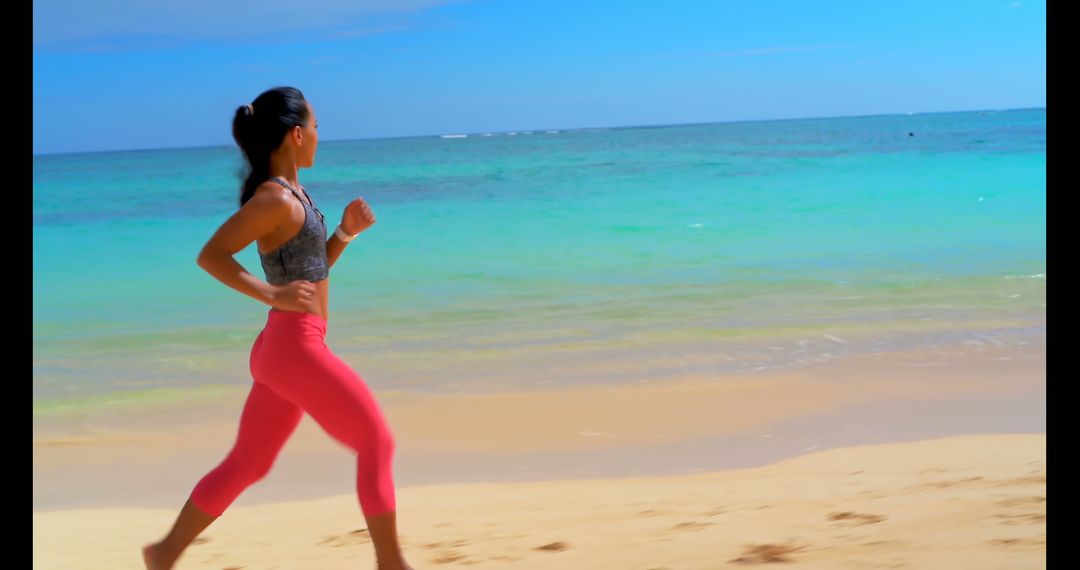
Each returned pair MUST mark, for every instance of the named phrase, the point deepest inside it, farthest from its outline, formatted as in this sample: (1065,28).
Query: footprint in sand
(692,525)
(451,556)
(766,553)
(553,547)
(1019,542)
(948,483)
(358,536)
(1030,480)
(849,518)
(881,543)
(456,543)
(1023,501)
(1023,518)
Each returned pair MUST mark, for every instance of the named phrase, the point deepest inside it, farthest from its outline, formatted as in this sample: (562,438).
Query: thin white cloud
(771,50)
(1016,4)
(74,23)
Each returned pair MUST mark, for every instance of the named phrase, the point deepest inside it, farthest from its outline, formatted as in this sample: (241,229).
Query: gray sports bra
(304,255)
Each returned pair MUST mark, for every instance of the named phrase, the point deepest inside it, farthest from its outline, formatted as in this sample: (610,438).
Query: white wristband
(341,235)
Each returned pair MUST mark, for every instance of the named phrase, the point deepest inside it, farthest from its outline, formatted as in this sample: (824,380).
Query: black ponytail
(260,127)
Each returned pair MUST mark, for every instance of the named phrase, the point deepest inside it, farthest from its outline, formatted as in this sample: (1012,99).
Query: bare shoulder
(270,197)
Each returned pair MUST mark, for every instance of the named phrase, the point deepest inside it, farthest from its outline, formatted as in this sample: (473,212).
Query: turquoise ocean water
(560,258)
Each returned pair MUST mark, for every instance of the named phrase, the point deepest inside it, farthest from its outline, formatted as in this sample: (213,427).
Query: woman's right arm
(264,212)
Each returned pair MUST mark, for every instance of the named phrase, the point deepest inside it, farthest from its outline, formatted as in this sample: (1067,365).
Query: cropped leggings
(295,372)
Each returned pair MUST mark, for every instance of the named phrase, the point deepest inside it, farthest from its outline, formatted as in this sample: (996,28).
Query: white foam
(835,338)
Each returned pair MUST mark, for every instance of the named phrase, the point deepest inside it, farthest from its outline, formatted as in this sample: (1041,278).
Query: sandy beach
(879,461)
(966,502)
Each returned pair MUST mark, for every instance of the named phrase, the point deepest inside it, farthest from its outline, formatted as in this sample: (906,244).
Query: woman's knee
(377,441)
(388,442)
(251,468)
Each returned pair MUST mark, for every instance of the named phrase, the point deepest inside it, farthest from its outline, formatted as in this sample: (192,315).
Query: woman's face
(308,140)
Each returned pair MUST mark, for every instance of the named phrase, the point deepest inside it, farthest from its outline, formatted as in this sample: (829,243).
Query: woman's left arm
(356,218)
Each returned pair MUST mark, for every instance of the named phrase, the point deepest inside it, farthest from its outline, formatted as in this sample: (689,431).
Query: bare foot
(399,566)
(155,558)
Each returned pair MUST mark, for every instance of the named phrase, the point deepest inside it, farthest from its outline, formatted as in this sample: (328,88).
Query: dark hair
(260,128)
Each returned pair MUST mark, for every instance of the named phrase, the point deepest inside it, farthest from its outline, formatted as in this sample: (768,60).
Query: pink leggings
(295,372)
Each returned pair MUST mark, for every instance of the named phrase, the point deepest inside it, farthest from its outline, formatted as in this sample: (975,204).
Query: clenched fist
(357,217)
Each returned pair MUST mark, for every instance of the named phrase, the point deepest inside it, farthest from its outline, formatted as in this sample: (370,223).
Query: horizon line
(210,146)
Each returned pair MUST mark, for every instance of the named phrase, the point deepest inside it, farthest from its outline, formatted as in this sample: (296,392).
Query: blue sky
(131,74)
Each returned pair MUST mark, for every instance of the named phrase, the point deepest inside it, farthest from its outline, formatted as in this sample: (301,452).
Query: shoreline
(665,427)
